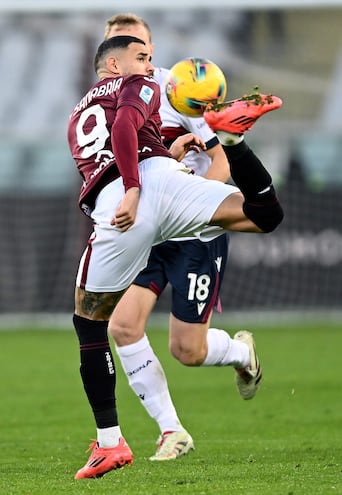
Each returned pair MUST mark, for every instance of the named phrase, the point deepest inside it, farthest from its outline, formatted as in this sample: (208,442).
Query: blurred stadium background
(290,48)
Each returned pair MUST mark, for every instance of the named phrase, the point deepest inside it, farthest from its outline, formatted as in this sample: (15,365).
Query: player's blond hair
(127,19)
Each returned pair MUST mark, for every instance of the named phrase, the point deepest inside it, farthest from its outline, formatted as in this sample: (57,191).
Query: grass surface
(286,441)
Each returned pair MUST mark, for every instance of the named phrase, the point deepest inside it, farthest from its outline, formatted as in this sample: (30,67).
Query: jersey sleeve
(139,98)
(140,92)
(124,137)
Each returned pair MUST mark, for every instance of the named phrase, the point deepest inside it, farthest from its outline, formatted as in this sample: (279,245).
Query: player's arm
(219,167)
(185,143)
(126,212)
(125,144)
(133,109)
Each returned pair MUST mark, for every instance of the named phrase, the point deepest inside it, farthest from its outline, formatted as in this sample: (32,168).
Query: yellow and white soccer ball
(193,83)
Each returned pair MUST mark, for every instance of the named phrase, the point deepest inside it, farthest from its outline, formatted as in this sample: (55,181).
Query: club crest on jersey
(146,94)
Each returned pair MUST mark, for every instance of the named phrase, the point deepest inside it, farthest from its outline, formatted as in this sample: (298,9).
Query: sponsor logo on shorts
(218,262)
(200,308)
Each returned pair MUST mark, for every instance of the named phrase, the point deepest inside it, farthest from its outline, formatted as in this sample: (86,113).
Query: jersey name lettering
(97,91)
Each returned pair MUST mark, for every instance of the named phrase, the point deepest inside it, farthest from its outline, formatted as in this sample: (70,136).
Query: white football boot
(172,445)
(248,378)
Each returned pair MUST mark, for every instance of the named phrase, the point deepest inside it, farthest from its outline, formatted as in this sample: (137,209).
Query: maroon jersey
(103,151)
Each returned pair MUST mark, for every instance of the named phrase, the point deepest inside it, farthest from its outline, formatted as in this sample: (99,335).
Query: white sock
(108,437)
(229,139)
(147,379)
(225,351)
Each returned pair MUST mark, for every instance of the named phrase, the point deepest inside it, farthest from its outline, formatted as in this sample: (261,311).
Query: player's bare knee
(191,359)
(265,215)
(122,333)
(119,332)
(188,357)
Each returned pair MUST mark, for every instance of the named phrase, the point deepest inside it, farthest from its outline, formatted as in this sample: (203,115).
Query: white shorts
(172,204)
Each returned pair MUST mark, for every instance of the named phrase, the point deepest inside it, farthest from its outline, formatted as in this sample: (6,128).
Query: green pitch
(286,441)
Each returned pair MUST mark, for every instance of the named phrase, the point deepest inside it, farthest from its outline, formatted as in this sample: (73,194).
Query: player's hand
(183,144)
(127,210)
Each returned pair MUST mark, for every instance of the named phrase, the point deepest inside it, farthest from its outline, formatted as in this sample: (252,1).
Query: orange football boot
(239,116)
(102,460)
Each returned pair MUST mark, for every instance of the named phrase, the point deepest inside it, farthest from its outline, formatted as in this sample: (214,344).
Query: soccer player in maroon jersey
(138,195)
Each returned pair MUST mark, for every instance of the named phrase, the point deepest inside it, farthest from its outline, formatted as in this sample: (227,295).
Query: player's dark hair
(112,44)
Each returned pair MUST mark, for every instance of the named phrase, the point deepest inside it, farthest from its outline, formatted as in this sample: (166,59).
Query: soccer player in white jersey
(194,270)
(138,195)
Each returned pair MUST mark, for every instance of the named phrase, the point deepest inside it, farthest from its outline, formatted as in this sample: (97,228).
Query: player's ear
(111,65)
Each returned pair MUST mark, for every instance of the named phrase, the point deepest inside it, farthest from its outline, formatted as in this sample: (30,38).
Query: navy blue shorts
(195,271)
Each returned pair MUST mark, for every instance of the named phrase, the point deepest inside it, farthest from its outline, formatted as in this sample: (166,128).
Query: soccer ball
(192,83)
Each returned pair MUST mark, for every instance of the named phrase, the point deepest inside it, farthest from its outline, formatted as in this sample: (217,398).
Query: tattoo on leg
(96,306)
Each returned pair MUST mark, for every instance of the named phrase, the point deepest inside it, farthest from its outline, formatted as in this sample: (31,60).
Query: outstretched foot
(239,116)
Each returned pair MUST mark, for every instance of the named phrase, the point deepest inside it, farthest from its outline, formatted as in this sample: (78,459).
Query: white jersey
(199,162)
